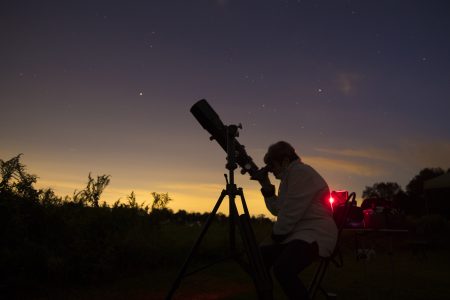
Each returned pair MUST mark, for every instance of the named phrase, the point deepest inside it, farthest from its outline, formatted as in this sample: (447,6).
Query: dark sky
(360,88)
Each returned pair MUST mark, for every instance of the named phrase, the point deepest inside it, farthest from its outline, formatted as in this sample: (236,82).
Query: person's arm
(271,199)
(268,191)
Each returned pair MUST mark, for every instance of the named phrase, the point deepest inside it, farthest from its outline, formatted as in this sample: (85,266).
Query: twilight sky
(360,88)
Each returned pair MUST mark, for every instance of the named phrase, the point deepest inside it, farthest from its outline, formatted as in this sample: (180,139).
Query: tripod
(255,265)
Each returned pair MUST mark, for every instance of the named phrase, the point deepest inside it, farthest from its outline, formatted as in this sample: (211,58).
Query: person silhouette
(304,228)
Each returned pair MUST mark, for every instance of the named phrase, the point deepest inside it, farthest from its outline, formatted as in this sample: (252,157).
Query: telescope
(211,122)
(236,155)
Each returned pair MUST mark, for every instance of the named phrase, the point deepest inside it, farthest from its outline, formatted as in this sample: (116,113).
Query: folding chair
(340,217)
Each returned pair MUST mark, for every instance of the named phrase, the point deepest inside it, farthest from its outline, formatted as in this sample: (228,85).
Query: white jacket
(302,208)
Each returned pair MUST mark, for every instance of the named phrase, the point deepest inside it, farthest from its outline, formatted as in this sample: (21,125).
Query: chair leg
(317,278)
(316,282)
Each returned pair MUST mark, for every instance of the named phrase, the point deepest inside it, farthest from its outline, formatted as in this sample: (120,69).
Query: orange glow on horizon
(185,196)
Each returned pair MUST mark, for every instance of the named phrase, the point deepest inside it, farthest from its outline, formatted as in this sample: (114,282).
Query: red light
(338,197)
(331,200)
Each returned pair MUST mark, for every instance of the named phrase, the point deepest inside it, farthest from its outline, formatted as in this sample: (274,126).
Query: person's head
(278,157)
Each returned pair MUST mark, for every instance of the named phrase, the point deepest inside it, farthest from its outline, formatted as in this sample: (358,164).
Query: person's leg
(270,254)
(294,258)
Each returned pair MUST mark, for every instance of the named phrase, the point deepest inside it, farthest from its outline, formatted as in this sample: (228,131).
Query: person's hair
(279,151)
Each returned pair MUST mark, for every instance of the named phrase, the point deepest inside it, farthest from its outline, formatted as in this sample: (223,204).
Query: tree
(14,178)
(47,197)
(415,186)
(94,188)
(160,212)
(383,190)
(132,202)
(415,191)
(160,201)
(8,169)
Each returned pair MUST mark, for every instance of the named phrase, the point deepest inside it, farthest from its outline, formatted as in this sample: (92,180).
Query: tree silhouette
(383,190)
(415,191)
(415,186)
(47,197)
(8,169)
(160,201)
(132,202)
(16,179)
(160,213)
(94,188)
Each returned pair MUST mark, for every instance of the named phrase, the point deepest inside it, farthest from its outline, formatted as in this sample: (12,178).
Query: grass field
(392,271)
(385,277)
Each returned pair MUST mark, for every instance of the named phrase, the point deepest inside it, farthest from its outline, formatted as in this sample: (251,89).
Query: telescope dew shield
(211,122)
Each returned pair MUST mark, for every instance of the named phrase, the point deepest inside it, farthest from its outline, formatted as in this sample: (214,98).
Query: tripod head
(232,134)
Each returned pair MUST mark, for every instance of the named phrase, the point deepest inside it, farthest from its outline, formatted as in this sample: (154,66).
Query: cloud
(404,159)
(344,166)
(425,153)
(347,82)
(367,153)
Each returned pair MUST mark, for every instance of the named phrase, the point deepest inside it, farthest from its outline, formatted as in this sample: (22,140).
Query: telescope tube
(211,122)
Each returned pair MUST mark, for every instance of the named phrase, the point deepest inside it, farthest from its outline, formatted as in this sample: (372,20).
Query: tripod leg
(244,204)
(208,222)
(261,278)
(232,224)
(253,245)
